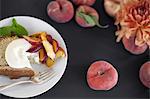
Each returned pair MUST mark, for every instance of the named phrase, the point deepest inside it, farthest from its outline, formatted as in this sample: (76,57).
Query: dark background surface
(85,46)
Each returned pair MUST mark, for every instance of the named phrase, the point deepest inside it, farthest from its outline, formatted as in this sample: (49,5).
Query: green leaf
(18,29)
(14,22)
(15,28)
(87,18)
(90,19)
(5,31)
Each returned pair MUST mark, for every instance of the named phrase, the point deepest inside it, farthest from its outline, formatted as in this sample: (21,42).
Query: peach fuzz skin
(84,2)
(130,46)
(112,7)
(102,75)
(61,11)
(144,74)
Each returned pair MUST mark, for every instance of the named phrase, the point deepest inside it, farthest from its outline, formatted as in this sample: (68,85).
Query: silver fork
(40,78)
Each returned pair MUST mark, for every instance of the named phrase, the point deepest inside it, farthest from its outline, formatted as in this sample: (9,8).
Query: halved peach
(60,53)
(55,45)
(42,55)
(31,40)
(49,62)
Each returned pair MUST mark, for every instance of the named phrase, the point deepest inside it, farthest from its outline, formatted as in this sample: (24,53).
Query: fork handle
(3,87)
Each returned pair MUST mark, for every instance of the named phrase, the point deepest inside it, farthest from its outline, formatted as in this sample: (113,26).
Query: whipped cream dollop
(16,55)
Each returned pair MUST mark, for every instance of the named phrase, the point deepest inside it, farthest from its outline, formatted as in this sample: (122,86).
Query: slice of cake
(7,70)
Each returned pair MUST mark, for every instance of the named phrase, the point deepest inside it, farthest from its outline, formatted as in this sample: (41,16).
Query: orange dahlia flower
(134,19)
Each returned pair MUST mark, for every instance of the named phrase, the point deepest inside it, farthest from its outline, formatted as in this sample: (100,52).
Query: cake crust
(14,73)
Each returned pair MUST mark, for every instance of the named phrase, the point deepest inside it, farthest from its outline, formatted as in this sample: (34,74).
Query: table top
(85,46)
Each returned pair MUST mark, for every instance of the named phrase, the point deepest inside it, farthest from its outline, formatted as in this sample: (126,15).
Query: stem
(98,24)
(102,26)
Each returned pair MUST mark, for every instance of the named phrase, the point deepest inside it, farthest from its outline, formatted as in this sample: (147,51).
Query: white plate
(29,90)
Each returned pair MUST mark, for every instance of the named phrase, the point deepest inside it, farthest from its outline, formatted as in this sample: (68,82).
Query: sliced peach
(31,40)
(49,62)
(42,55)
(43,36)
(60,53)
(37,35)
(49,49)
(35,48)
(49,38)
(48,46)
(55,45)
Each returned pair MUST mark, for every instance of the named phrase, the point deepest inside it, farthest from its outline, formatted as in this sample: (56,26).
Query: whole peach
(130,46)
(112,6)
(84,2)
(102,75)
(145,74)
(60,11)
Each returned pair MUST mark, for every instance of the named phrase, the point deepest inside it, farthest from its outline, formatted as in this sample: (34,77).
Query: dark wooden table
(85,46)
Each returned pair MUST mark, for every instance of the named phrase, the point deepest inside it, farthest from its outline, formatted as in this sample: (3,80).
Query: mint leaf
(5,31)
(14,22)
(15,28)
(18,29)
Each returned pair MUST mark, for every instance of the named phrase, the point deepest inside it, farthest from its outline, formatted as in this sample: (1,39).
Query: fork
(40,78)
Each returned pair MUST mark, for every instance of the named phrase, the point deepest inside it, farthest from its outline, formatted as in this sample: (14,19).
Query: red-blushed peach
(60,11)
(145,74)
(112,6)
(102,75)
(87,17)
(84,2)
(130,46)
